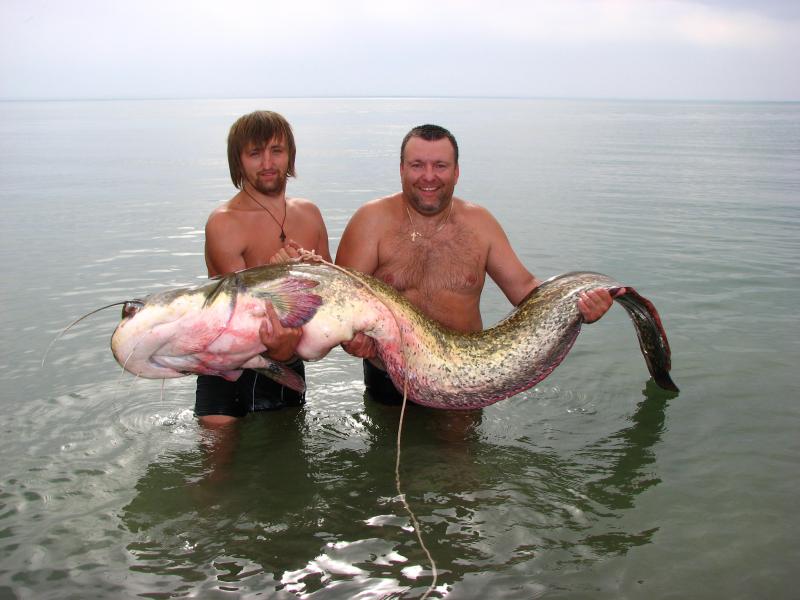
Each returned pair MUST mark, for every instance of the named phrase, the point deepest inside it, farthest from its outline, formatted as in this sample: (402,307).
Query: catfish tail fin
(652,337)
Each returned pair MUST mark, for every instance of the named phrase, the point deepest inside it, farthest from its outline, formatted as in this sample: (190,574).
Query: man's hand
(361,346)
(595,303)
(280,341)
(289,251)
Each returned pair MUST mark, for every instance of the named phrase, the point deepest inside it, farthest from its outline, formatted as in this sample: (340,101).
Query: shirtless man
(257,226)
(435,249)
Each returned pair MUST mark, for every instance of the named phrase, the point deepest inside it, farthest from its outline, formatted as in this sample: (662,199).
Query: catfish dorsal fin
(226,283)
(293,302)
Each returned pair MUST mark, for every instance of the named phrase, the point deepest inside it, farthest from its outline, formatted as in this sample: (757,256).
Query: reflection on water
(291,512)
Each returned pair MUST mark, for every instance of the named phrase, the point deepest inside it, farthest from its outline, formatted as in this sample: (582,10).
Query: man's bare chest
(451,264)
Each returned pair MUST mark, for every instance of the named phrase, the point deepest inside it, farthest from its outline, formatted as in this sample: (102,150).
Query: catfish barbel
(212,329)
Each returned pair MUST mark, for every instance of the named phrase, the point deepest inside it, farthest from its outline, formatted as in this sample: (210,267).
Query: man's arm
(225,245)
(359,246)
(358,249)
(322,241)
(502,263)
(505,268)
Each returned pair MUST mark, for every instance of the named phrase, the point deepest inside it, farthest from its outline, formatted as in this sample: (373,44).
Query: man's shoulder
(373,217)
(305,210)
(294,201)
(224,216)
(229,206)
(379,205)
(376,212)
(478,219)
(472,210)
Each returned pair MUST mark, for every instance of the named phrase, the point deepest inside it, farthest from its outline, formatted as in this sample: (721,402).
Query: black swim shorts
(250,393)
(379,385)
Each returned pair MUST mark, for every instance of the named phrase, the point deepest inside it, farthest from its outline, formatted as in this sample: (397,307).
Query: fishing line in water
(253,392)
(305,254)
(414,522)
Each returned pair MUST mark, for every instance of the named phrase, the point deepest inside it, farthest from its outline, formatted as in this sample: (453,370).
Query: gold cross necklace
(416,234)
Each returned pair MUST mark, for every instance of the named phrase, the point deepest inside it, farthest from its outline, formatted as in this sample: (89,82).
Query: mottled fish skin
(438,367)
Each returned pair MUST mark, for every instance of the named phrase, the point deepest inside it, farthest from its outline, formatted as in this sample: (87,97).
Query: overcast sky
(662,49)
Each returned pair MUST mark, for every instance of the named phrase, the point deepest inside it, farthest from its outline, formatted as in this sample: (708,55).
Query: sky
(638,49)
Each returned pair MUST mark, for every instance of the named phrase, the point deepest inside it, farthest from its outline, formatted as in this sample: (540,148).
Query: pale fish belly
(216,342)
(346,311)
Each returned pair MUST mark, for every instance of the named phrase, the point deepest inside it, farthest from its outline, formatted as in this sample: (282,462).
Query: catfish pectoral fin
(282,374)
(294,304)
(652,337)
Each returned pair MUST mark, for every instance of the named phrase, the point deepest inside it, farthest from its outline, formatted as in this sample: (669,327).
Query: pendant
(415,235)
(282,236)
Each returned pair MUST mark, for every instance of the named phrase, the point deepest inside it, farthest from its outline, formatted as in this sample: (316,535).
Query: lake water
(594,484)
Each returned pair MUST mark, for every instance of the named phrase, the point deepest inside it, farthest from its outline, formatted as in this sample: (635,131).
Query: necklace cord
(416,234)
(269,212)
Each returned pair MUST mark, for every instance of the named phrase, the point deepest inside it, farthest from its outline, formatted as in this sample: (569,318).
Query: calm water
(595,484)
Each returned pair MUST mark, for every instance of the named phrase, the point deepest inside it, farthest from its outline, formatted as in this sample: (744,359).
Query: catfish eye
(131,307)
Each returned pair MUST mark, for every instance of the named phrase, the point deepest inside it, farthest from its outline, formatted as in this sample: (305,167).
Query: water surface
(594,484)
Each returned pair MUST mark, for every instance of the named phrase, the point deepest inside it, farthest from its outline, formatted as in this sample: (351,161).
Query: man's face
(266,165)
(429,174)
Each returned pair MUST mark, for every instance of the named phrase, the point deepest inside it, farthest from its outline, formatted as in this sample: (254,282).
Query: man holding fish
(257,226)
(436,250)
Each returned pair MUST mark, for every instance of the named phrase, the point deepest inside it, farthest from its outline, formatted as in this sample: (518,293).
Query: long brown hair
(258,127)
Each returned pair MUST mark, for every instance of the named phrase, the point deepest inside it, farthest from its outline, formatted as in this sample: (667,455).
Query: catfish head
(169,334)
(212,329)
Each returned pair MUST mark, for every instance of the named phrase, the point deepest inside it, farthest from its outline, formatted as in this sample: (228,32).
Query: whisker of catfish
(75,322)
(122,372)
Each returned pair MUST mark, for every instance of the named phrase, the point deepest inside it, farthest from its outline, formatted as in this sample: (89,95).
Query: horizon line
(395,97)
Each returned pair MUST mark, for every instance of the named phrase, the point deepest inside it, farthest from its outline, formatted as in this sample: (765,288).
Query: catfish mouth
(167,365)
(136,348)
(143,343)
(151,366)
(130,308)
